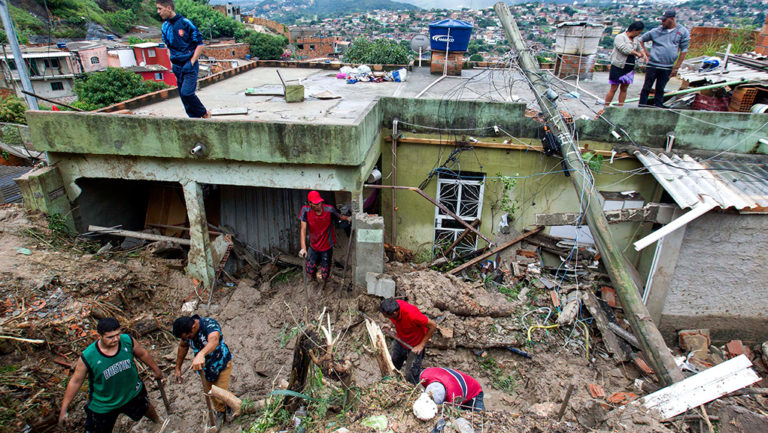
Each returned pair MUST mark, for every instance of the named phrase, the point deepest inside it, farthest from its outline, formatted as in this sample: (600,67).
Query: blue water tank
(451,34)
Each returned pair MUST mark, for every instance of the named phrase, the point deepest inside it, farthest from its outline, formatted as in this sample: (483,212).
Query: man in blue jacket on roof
(185,44)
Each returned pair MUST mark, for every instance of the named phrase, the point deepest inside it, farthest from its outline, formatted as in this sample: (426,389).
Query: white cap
(424,408)
(437,391)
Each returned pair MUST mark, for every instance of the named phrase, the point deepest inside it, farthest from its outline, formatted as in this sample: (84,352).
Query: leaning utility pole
(21,67)
(649,336)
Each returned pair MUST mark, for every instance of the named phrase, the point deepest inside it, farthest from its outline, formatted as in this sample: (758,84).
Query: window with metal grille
(57,85)
(95,60)
(462,194)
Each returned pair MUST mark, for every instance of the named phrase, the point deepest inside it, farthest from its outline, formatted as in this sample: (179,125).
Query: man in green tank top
(114,386)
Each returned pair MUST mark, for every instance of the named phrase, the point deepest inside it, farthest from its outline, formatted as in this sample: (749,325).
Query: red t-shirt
(459,386)
(321,234)
(411,324)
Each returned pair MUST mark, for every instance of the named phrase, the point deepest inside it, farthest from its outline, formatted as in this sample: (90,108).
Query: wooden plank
(610,339)
(137,235)
(482,257)
(704,387)
(494,145)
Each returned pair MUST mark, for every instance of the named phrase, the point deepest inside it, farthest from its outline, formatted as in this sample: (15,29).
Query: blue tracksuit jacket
(182,38)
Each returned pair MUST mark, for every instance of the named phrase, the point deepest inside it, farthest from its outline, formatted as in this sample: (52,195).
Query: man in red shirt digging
(319,218)
(414,329)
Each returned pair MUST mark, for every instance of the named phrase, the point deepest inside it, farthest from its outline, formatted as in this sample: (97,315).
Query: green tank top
(113,380)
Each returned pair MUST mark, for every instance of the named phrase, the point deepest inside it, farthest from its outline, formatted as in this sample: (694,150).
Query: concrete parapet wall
(693,130)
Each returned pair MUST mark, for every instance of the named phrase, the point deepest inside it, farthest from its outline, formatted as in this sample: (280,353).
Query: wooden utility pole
(650,338)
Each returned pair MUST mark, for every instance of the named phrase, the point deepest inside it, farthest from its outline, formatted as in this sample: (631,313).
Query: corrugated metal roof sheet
(266,219)
(9,191)
(742,186)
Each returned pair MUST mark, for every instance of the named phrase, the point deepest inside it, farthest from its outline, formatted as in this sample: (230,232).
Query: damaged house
(480,157)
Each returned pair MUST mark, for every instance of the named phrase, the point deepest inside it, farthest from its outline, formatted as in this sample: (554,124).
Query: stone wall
(720,279)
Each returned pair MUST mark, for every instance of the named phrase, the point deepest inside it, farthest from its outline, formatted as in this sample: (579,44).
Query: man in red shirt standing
(446,385)
(414,328)
(320,219)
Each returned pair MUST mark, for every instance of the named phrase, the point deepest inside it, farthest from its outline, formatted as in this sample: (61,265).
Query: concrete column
(666,262)
(43,189)
(369,246)
(200,261)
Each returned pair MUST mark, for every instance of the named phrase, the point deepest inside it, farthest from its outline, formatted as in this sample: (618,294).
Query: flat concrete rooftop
(491,85)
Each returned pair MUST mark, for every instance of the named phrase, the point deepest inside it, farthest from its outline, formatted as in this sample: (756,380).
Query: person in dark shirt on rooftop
(185,44)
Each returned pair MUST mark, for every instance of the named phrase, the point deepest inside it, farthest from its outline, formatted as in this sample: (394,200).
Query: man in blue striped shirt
(185,43)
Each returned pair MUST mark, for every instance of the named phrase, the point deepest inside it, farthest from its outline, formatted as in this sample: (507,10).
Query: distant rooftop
(266,104)
(146,45)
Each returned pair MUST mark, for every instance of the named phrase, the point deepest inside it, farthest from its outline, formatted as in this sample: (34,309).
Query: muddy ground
(54,288)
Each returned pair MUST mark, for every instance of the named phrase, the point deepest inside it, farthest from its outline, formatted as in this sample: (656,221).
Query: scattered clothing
(216,361)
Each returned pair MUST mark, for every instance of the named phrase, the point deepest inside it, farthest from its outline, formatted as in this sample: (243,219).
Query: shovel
(165,397)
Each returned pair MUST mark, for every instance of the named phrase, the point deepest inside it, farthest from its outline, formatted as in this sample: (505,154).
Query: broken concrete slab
(380,285)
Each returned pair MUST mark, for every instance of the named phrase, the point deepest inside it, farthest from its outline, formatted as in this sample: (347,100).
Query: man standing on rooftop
(670,43)
(185,44)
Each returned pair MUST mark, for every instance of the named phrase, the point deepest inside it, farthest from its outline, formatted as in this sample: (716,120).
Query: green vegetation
(499,378)
(210,23)
(593,161)
(12,110)
(381,52)
(100,89)
(265,46)
(475,58)
(742,40)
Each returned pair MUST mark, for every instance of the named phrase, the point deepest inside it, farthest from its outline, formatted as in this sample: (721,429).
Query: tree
(476,58)
(100,89)
(381,51)
(210,23)
(265,46)
(12,110)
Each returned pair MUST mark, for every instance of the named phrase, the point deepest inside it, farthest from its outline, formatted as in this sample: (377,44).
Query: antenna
(420,43)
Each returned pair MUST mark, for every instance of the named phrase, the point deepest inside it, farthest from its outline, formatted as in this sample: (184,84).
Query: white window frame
(158,76)
(442,182)
(151,52)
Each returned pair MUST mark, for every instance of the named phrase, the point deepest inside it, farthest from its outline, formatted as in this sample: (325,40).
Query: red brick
(642,365)
(622,397)
(608,295)
(736,348)
(596,390)
(555,298)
